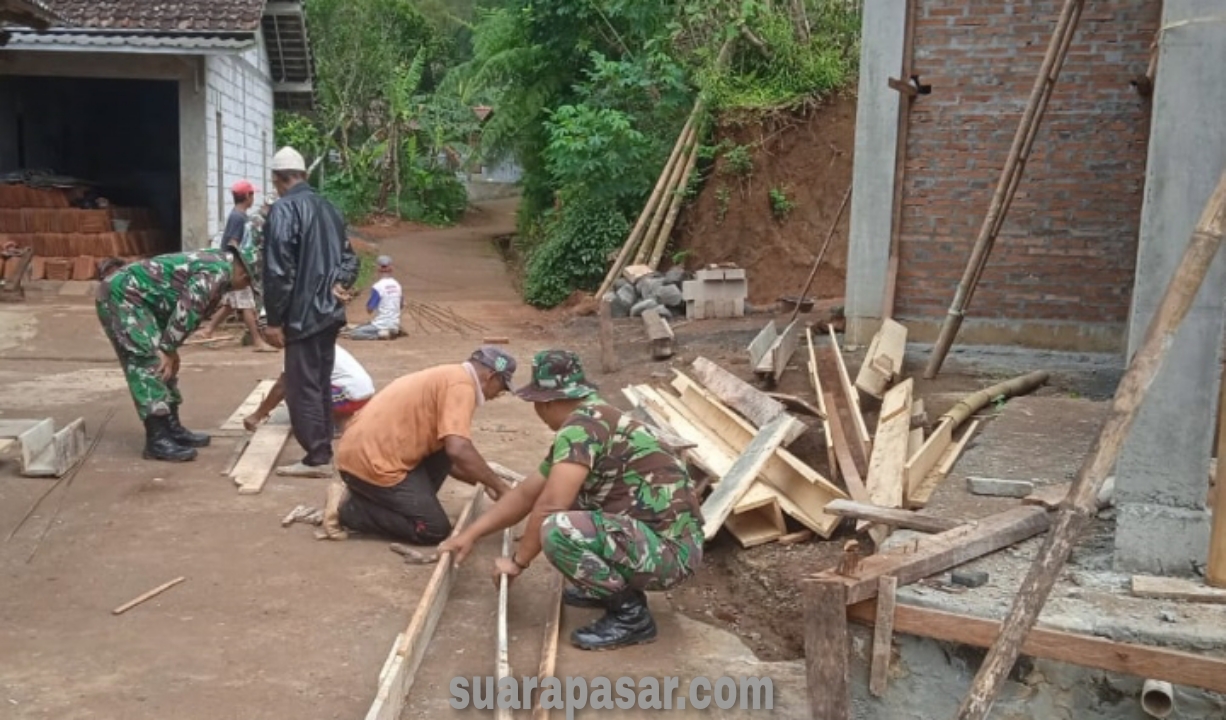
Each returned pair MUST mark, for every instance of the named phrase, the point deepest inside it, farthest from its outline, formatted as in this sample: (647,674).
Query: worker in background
(611,509)
(236,234)
(384,306)
(352,388)
(148,310)
(395,455)
(308,272)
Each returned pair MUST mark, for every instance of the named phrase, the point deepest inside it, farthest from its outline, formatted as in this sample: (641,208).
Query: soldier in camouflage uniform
(611,508)
(147,310)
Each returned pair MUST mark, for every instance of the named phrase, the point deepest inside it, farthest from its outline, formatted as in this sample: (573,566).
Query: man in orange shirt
(396,453)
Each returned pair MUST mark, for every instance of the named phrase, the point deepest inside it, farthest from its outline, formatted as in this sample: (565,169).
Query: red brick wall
(1068,248)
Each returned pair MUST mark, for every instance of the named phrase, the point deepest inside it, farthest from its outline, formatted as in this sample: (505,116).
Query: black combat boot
(627,622)
(159,445)
(182,435)
(575,597)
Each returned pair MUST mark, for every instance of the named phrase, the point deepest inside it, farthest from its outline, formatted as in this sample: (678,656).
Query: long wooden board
(754,405)
(1172,588)
(502,653)
(815,379)
(847,464)
(396,678)
(682,382)
(826,651)
(1145,661)
(248,406)
(759,347)
(549,642)
(919,496)
(883,362)
(886,466)
(733,486)
(785,348)
(883,636)
(946,550)
(923,462)
(853,397)
(253,468)
(889,516)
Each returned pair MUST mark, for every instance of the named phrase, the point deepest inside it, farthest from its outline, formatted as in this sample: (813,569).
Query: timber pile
(738,438)
(67,240)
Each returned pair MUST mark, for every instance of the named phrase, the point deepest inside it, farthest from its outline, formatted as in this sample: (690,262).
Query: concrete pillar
(193,158)
(1162,474)
(872,195)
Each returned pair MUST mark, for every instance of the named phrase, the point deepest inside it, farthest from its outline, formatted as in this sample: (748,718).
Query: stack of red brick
(68,241)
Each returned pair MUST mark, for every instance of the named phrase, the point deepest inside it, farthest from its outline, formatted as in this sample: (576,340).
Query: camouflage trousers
(603,554)
(134,334)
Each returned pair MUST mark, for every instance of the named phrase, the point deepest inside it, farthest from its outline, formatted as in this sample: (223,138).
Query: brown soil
(808,156)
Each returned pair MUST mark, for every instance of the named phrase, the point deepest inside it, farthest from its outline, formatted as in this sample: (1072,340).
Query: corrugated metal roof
(133,42)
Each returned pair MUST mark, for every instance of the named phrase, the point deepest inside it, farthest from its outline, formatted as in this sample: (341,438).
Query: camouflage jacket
(181,290)
(630,473)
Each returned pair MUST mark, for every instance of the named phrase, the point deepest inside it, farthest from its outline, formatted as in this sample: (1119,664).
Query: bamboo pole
(674,181)
(976,401)
(674,207)
(1010,178)
(1083,497)
(820,254)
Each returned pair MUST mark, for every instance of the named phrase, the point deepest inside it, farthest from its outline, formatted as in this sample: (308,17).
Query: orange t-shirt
(407,421)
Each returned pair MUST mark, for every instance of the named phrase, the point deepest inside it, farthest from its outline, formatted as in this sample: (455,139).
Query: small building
(157,105)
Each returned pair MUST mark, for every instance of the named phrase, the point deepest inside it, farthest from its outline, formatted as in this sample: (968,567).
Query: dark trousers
(308,393)
(408,511)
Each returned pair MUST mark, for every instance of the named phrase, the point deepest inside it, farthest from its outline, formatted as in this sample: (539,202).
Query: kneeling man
(611,509)
(352,388)
(395,455)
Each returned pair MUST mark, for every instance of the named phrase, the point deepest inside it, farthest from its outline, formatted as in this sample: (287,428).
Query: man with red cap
(243,300)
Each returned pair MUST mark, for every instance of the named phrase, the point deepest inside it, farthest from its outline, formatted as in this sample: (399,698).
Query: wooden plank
(822,405)
(847,464)
(659,334)
(946,550)
(759,348)
(785,348)
(753,404)
(922,493)
(502,651)
(905,519)
(1183,668)
(656,425)
(397,679)
(608,353)
(253,468)
(248,406)
(883,362)
(826,651)
(733,485)
(797,404)
(853,398)
(883,636)
(682,382)
(549,642)
(757,519)
(802,492)
(886,467)
(923,462)
(1171,588)
(915,441)
(706,453)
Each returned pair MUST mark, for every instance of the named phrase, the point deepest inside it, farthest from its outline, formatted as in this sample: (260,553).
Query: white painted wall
(239,95)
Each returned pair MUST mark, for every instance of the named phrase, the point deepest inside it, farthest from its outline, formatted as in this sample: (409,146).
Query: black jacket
(306,253)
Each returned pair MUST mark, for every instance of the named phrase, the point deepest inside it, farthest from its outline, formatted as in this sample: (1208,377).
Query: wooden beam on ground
(1171,588)
(886,481)
(842,451)
(759,348)
(883,636)
(549,642)
(930,453)
(253,468)
(733,486)
(147,596)
(853,398)
(248,406)
(823,406)
(922,493)
(502,652)
(608,352)
(785,348)
(659,334)
(682,382)
(946,550)
(396,678)
(750,402)
(904,519)
(883,362)
(826,651)
(1143,661)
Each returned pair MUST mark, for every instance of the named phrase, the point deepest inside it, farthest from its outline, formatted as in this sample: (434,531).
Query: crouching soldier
(611,509)
(147,310)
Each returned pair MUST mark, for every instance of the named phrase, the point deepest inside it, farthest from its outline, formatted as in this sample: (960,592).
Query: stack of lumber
(66,240)
(739,437)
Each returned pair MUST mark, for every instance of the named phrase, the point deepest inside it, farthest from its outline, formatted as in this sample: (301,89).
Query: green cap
(556,375)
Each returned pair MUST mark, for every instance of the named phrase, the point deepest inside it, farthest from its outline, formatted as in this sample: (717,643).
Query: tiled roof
(163,15)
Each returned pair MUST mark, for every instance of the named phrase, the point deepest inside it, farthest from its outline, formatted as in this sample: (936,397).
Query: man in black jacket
(309,268)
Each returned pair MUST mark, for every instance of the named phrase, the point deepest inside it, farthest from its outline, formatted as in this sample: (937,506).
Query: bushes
(574,252)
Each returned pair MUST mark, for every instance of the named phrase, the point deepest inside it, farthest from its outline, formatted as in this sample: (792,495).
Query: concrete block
(709,274)
(996,487)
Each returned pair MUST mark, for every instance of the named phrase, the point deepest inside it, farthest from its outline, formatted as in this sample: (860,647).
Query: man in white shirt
(352,388)
(384,306)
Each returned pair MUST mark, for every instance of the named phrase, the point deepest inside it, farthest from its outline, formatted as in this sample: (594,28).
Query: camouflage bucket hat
(556,375)
(249,256)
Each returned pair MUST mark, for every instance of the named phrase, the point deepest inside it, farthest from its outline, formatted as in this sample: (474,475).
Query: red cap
(242,187)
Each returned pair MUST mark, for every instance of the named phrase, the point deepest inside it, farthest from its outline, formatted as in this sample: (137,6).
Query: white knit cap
(288,159)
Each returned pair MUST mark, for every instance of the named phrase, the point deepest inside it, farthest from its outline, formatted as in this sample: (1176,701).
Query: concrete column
(872,194)
(1162,474)
(193,158)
